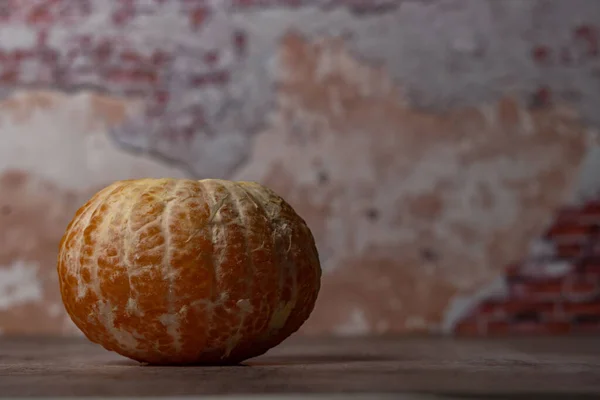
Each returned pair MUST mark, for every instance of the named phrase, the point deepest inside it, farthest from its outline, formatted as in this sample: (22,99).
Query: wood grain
(419,367)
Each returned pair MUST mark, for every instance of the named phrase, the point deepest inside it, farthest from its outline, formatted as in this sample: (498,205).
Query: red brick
(71,56)
(5,13)
(513,270)
(146,76)
(568,215)
(131,56)
(122,16)
(9,77)
(591,208)
(211,57)
(49,56)
(103,51)
(546,328)
(244,3)
(161,97)
(592,268)
(468,328)
(73,11)
(133,76)
(240,42)
(39,14)
(589,35)
(198,16)
(587,328)
(368,7)
(567,229)
(188,133)
(530,328)
(82,71)
(84,41)
(42,37)
(587,320)
(580,288)
(536,289)
(568,250)
(541,54)
(20,54)
(498,328)
(136,90)
(542,97)
(588,308)
(160,58)
(60,77)
(211,78)
(514,306)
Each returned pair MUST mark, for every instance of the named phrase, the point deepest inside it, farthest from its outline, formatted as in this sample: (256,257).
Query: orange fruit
(176,271)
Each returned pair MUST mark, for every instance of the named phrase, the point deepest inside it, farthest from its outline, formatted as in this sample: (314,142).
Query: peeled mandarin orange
(176,271)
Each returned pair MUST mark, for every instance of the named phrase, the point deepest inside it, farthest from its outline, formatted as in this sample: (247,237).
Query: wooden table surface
(412,368)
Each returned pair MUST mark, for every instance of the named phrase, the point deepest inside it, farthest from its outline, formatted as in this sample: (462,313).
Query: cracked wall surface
(427,143)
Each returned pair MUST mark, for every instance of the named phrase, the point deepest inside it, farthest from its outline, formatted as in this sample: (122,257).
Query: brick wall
(75,45)
(426,142)
(554,291)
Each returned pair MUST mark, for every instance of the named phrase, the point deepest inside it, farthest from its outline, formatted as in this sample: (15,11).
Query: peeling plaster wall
(427,143)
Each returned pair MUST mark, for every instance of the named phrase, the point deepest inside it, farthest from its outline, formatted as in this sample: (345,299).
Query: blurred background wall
(443,151)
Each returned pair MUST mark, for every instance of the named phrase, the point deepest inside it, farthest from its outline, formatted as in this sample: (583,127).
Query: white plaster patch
(557,268)
(55,310)
(356,324)
(91,159)
(16,36)
(541,249)
(415,322)
(461,305)
(382,326)
(19,284)
(70,328)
